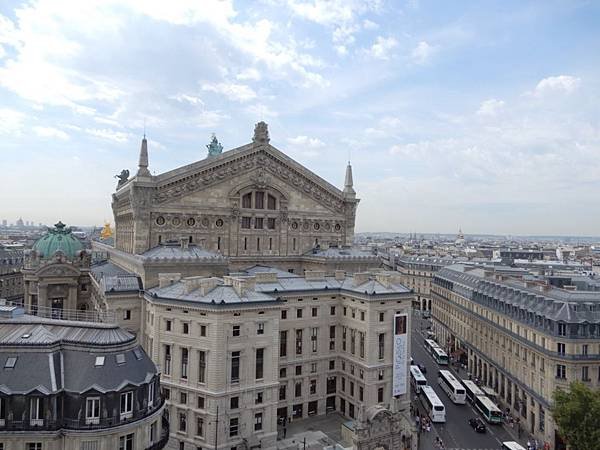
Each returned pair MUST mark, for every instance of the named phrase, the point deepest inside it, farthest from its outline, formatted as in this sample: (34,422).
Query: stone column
(72,299)
(43,295)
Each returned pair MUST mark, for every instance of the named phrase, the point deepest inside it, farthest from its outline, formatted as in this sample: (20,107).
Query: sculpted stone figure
(123,177)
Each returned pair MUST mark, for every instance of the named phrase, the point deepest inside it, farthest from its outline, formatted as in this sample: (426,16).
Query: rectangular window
(282,391)
(271,223)
(312,387)
(283,343)
(184,363)
(247,200)
(381,316)
(126,405)
(352,341)
(584,349)
(294,244)
(362,315)
(246,222)
(381,345)
(235,330)
(314,339)
(258,223)
(200,403)
(183,398)
(259,200)
(344,335)
(298,342)
(260,328)
(380,395)
(562,329)
(260,356)
(271,202)
(259,398)
(199,426)
(185,328)
(168,325)
(38,446)
(234,402)
(361,393)
(182,421)
(283,372)
(284,314)
(298,389)
(233,426)
(125,442)
(235,367)
(299,313)
(127,314)
(560,348)
(314,312)
(92,410)
(258,421)
(201,366)
(332,364)
(167,367)
(361,346)
(313,367)
(151,394)
(298,370)
(561,371)
(332,310)
(585,376)
(332,332)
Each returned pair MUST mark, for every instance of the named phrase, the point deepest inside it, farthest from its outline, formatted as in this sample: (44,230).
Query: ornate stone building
(56,273)
(11,278)
(249,204)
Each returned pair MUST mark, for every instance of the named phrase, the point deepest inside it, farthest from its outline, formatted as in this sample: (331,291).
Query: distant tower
(460,238)
(20,222)
(143,163)
(214,148)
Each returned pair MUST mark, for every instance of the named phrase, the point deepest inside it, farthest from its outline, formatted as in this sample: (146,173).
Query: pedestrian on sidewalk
(528,445)
(535,444)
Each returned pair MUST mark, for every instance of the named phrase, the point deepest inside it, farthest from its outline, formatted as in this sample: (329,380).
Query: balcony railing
(76,424)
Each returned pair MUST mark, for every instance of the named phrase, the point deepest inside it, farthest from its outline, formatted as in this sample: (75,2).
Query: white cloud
(490,107)
(422,52)
(261,111)
(325,12)
(107,134)
(208,119)
(187,98)
(341,50)
(382,47)
(51,132)
(233,91)
(249,74)
(305,141)
(369,25)
(564,83)
(11,121)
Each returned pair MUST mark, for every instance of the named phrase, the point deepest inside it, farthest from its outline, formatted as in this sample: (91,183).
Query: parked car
(477,424)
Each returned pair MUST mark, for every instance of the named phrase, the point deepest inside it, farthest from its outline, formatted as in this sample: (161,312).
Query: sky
(480,115)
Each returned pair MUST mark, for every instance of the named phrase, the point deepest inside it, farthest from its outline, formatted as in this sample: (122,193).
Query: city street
(456,433)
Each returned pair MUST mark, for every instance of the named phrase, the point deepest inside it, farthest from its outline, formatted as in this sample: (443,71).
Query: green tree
(577,416)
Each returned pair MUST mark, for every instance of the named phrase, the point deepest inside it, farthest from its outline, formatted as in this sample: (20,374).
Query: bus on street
(452,387)
(417,378)
(488,409)
(432,404)
(472,390)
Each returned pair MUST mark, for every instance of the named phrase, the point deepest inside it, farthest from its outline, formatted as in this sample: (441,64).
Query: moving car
(477,424)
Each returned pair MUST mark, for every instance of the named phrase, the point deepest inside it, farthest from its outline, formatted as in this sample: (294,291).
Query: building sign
(400,382)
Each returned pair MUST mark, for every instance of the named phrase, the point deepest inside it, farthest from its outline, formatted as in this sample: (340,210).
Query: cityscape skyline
(463,118)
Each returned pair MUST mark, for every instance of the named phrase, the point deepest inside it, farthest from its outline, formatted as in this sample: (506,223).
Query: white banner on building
(400,382)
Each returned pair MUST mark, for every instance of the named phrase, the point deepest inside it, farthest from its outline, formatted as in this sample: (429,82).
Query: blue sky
(481,115)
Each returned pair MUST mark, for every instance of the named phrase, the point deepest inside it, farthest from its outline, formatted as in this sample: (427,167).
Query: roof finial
(143,163)
(261,133)
(349,183)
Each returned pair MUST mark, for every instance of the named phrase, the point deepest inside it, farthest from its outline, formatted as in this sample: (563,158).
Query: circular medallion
(160,220)
(327,226)
(205,222)
(176,221)
(338,227)
(294,225)
(219,223)
(316,226)
(305,225)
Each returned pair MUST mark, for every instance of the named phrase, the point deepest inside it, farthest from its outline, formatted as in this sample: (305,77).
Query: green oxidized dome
(58,238)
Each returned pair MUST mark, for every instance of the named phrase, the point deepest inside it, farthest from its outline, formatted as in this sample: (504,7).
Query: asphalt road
(456,433)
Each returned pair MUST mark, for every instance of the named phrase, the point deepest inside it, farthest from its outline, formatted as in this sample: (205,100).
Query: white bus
(440,356)
(488,409)
(512,445)
(472,390)
(430,344)
(452,387)
(433,405)
(417,378)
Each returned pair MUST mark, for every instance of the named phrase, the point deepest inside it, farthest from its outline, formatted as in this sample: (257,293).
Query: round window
(219,223)
(160,220)
(294,225)
(191,222)
(338,227)
(316,226)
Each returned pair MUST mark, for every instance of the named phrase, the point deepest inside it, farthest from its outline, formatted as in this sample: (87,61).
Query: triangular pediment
(266,159)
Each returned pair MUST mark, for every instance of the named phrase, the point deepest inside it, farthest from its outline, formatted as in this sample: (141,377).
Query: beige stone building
(242,352)
(255,306)
(523,337)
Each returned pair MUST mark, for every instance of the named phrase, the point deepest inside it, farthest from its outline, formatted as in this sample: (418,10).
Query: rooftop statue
(214,148)
(123,178)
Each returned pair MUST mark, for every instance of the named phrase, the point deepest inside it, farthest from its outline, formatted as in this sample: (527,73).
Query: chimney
(314,275)
(340,275)
(360,278)
(167,279)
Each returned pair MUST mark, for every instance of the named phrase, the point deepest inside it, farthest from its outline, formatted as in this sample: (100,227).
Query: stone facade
(251,201)
(11,278)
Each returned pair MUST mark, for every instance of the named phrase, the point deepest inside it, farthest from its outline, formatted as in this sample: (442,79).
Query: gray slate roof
(177,252)
(113,278)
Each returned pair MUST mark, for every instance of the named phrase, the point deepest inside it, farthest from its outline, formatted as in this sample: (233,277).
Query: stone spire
(348,183)
(143,164)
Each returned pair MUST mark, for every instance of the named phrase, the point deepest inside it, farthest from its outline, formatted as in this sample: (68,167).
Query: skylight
(120,358)
(137,353)
(10,363)
(99,361)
